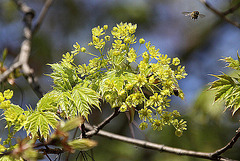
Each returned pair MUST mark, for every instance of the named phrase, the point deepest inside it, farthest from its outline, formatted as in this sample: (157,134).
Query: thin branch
(32,80)
(37,146)
(220,14)
(231,10)
(24,54)
(158,147)
(52,151)
(74,135)
(42,15)
(83,134)
(14,66)
(26,44)
(229,145)
(95,130)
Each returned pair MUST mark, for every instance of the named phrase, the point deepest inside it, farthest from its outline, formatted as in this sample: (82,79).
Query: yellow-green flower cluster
(5,97)
(67,58)
(78,49)
(126,82)
(125,32)
(132,55)
(145,114)
(97,40)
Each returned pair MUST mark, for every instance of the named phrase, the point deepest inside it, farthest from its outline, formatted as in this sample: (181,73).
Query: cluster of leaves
(36,123)
(128,79)
(228,87)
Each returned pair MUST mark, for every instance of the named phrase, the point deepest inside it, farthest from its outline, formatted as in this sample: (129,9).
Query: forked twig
(96,129)
(222,14)
(25,50)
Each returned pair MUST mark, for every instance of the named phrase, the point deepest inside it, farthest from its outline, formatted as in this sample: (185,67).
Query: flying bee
(194,15)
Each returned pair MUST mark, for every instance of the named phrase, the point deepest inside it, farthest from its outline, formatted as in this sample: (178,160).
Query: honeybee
(176,91)
(194,15)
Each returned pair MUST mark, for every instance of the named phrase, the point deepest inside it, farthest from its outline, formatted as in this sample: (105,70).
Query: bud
(82,144)
(105,27)
(141,41)
(83,49)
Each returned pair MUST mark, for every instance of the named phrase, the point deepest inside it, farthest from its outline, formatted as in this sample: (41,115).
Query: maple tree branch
(26,44)
(42,15)
(231,10)
(25,50)
(221,14)
(96,129)
(229,145)
(161,147)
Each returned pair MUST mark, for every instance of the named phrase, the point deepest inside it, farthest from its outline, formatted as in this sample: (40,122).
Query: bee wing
(201,15)
(186,13)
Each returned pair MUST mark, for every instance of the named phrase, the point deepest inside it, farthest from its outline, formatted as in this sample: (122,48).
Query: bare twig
(42,15)
(158,147)
(220,14)
(231,10)
(23,57)
(26,44)
(25,50)
(229,145)
(95,130)
(38,147)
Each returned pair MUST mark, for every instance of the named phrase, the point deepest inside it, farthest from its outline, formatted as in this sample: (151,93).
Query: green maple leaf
(228,89)
(41,122)
(83,99)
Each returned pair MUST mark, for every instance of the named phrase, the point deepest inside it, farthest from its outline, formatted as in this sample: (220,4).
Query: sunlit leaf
(83,99)
(228,88)
(42,122)
(48,102)
(223,92)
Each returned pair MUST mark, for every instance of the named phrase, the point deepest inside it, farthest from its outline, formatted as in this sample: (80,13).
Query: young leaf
(222,81)
(16,117)
(130,77)
(228,88)
(64,76)
(48,102)
(41,121)
(71,124)
(224,85)
(82,144)
(234,64)
(4,55)
(83,99)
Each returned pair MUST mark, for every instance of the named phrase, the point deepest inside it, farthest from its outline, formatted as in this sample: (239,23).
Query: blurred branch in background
(163,148)
(25,50)
(223,14)
(42,15)
(203,38)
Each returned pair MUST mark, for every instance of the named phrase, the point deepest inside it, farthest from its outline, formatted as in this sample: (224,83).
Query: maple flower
(145,114)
